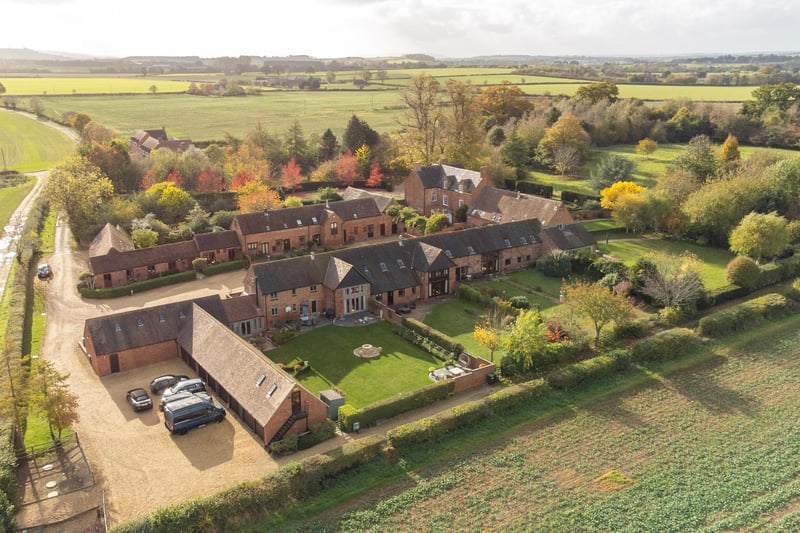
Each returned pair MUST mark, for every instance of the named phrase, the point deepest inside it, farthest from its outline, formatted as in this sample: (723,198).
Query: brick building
(443,188)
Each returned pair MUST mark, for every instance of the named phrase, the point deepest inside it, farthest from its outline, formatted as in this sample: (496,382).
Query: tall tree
(423,119)
(375,175)
(255,197)
(462,133)
(672,280)
(51,396)
(504,101)
(291,176)
(210,180)
(610,170)
(698,157)
(359,133)
(79,189)
(347,169)
(489,332)
(599,305)
(729,151)
(610,195)
(565,133)
(328,146)
(596,92)
(297,145)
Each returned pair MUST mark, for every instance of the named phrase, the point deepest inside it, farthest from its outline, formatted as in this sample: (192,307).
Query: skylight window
(523,240)
(470,249)
(140,322)
(285,225)
(162,318)
(400,263)
(299,222)
(271,390)
(181,314)
(448,253)
(383,266)
(117,328)
(507,243)
(260,380)
(314,220)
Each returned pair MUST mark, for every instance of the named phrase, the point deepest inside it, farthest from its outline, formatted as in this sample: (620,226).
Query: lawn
(715,259)
(29,145)
(34,86)
(703,444)
(401,366)
(10,197)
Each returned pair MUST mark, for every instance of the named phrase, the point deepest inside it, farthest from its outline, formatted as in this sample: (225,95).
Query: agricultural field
(10,198)
(205,118)
(401,366)
(30,146)
(706,443)
(35,86)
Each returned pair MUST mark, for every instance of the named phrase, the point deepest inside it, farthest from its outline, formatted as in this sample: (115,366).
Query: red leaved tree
(148,180)
(375,175)
(209,181)
(240,180)
(347,168)
(291,177)
(175,177)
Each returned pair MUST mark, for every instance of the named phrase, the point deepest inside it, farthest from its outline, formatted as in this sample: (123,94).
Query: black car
(162,382)
(44,271)
(139,399)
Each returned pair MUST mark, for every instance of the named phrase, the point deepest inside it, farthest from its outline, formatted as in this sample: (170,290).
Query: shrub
(743,316)
(436,336)
(347,415)
(138,286)
(317,433)
(200,265)
(743,271)
(586,371)
(556,264)
(470,294)
(676,314)
(664,345)
(519,302)
(721,295)
(634,329)
(794,292)
(228,266)
(790,266)
(770,274)
(285,446)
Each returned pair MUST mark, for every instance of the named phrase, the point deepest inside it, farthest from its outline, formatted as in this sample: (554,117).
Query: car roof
(137,389)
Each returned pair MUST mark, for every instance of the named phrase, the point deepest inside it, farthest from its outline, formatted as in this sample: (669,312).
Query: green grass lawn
(401,366)
(715,259)
(29,145)
(10,197)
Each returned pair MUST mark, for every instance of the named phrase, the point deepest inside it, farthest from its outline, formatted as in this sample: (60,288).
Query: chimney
(400,240)
(485,173)
(417,166)
(327,204)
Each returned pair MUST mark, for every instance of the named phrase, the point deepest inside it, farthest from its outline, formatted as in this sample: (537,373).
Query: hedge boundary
(745,315)
(138,286)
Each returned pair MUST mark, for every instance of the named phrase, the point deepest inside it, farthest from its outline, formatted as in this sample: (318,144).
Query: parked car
(44,271)
(167,380)
(139,399)
(190,385)
(181,396)
(183,415)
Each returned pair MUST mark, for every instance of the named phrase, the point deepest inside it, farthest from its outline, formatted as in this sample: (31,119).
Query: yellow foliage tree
(610,195)
(248,159)
(729,151)
(598,304)
(255,197)
(646,147)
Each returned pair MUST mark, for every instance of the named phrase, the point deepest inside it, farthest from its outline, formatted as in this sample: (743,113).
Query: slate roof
(151,325)
(307,215)
(381,201)
(569,236)
(486,239)
(386,266)
(110,239)
(258,384)
(285,274)
(449,177)
(164,253)
(354,209)
(240,308)
(499,205)
(217,240)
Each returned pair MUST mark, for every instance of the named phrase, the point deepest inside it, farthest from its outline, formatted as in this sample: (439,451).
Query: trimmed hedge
(578,198)
(535,189)
(251,501)
(317,433)
(8,476)
(138,286)
(770,274)
(466,415)
(434,335)
(471,294)
(744,316)
(227,266)
(397,404)
(721,295)
(586,371)
(664,345)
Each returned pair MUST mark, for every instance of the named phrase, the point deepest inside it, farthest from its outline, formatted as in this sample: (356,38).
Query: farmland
(29,145)
(30,86)
(706,443)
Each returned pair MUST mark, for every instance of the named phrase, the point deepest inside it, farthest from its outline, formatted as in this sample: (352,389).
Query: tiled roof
(569,236)
(218,240)
(110,238)
(449,177)
(486,239)
(164,253)
(498,205)
(381,201)
(143,327)
(280,219)
(241,308)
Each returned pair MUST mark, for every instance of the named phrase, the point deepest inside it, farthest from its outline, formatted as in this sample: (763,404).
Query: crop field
(647,92)
(29,145)
(87,85)
(709,443)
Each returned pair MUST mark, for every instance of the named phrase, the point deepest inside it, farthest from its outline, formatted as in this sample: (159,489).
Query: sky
(378,28)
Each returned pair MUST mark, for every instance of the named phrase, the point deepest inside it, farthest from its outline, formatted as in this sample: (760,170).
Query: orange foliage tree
(347,168)
(375,175)
(291,176)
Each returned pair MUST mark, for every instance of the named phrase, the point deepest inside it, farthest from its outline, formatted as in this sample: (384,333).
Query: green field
(207,118)
(707,443)
(87,85)
(400,367)
(29,145)
(10,197)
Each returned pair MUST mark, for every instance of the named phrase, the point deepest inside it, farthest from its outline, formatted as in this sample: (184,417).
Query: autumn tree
(255,197)
(49,394)
(646,147)
(291,175)
(504,101)
(292,201)
(249,159)
(347,169)
(79,121)
(729,151)
(37,106)
(423,120)
(209,180)
(79,189)
(595,92)
(671,280)
(489,331)
(436,223)
(610,195)
(375,175)
(363,157)
(144,238)
(599,305)
(463,135)
(566,136)
(759,235)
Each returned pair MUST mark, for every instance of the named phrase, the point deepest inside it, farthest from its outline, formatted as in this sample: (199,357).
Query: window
(273,296)
(294,307)
(117,328)
(528,258)
(462,273)
(413,290)
(140,322)
(444,199)
(508,261)
(460,202)
(400,263)
(107,277)
(519,259)
(299,222)
(433,196)
(383,266)
(162,318)
(313,288)
(271,390)
(334,228)
(302,239)
(507,243)
(448,253)
(401,292)
(355,230)
(274,311)
(260,380)
(314,220)
(371,231)
(470,249)
(252,246)
(379,296)
(294,292)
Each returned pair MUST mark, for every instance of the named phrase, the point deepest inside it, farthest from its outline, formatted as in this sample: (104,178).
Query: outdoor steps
(286,426)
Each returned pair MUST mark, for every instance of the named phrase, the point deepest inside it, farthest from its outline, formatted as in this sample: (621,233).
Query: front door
(390,298)
(114,360)
(383,230)
(296,408)
(287,245)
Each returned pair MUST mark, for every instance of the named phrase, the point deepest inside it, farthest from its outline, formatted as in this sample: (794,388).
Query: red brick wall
(413,191)
(130,359)
(317,412)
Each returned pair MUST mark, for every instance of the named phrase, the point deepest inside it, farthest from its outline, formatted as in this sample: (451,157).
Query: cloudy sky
(443,28)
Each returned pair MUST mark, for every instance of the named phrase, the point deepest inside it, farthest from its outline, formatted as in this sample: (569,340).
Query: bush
(519,302)
(743,271)
(397,404)
(664,345)
(317,433)
(436,336)
(794,292)
(578,198)
(634,329)
(676,314)
(138,286)
(586,371)
(535,189)
(285,446)
(721,295)
(227,266)
(8,473)
(743,316)
(471,294)
(770,274)
(790,266)
(200,265)
(556,264)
